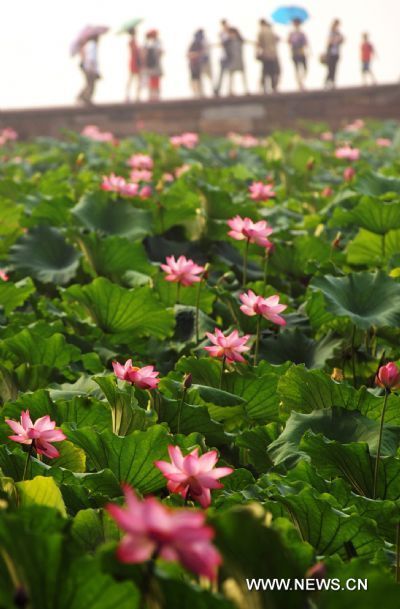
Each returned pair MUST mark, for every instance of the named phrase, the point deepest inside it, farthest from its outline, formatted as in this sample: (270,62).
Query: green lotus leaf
(41,491)
(335,424)
(30,346)
(192,418)
(367,299)
(370,249)
(377,216)
(118,310)
(305,390)
(293,345)
(179,593)
(131,458)
(13,295)
(99,213)
(113,256)
(91,528)
(376,184)
(354,463)
(44,254)
(54,571)
(327,529)
(253,550)
(258,389)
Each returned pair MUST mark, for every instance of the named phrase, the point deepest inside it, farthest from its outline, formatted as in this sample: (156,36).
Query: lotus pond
(199,341)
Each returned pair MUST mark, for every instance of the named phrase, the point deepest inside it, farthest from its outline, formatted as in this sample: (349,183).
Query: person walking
(298,45)
(236,61)
(90,69)
(335,41)
(224,39)
(367,55)
(267,54)
(152,54)
(199,62)
(135,66)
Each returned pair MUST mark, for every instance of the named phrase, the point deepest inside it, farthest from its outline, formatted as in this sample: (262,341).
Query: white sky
(35,35)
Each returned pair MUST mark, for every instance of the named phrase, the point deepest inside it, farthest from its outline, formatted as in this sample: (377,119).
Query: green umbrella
(129,25)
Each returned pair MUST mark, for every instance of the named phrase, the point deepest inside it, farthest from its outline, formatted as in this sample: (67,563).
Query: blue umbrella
(287,14)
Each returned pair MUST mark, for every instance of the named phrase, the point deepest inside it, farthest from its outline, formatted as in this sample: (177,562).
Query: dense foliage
(298,421)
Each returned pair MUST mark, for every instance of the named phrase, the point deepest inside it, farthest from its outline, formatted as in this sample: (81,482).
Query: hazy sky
(35,35)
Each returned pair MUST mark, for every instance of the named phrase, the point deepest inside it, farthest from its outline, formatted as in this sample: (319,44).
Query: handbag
(323,58)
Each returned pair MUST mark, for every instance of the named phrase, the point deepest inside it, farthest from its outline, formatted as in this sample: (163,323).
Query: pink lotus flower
(3,275)
(141,175)
(269,308)
(183,271)
(141,161)
(383,142)
(168,177)
(254,232)
(40,434)
(228,347)
(129,190)
(348,153)
(179,171)
(92,132)
(152,529)
(245,141)
(249,141)
(113,183)
(348,174)
(145,192)
(261,192)
(193,476)
(327,136)
(388,377)
(355,126)
(327,192)
(143,378)
(185,140)
(9,135)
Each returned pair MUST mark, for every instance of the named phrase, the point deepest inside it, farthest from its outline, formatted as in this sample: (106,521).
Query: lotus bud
(388,377)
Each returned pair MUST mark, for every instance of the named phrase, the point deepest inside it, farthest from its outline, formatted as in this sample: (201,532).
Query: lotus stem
(353,355)
(222,372)
(150,403)
(178,292)
(257,345)
(198,294)
(161,216)
(265,273)
(378,454)
(181,403)
(28,458)
(246,255)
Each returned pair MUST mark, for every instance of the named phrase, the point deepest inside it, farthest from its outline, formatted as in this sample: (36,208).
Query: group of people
(145,60)
(145,70)
(267,53)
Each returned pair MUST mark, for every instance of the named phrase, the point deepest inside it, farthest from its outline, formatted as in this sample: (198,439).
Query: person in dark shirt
(298,45)
(335,41)
(199,62)
(225,41)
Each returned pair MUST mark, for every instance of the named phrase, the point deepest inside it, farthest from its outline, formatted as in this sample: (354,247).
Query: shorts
(366,66)
(154,83)
(300,60)
(195,71)
(271,67)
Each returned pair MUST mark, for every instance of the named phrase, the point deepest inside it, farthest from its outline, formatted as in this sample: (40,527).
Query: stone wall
(255,114)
